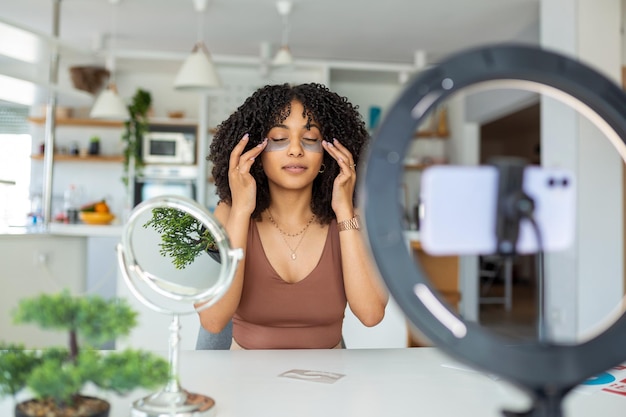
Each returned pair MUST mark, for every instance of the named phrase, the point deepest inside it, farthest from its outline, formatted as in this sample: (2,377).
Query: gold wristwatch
(351,224)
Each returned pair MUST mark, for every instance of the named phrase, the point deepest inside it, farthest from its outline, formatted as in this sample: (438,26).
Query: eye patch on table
(307,144)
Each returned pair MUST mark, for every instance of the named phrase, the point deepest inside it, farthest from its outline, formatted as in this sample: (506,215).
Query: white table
(377,382)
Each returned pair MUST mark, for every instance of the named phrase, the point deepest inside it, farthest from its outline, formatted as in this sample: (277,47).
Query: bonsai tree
(134,129)
(183,237)
(56,376)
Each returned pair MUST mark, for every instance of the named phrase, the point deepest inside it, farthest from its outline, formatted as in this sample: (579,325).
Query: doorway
(508,289)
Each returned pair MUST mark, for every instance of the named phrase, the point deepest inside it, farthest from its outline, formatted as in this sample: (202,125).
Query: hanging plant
(134,129)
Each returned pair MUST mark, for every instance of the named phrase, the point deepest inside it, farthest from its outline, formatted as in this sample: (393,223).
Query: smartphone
(458,210)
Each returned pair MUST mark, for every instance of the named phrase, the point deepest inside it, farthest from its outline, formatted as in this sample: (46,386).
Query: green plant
(94,138)
(134,129)
(58,374)
(183,237)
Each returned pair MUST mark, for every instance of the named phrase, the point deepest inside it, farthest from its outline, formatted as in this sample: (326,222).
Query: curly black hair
(269,106)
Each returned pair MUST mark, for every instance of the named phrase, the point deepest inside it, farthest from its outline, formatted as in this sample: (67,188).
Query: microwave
(169,148)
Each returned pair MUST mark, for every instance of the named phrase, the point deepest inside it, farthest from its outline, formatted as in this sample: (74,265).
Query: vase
(84,406)
(94,148)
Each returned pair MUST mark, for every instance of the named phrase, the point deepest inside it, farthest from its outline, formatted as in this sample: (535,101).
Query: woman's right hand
(242,184)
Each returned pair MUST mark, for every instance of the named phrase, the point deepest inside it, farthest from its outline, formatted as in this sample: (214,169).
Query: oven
(159,180)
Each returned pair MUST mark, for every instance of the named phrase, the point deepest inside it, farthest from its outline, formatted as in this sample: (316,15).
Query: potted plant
(134,129)
(56,376)
(94,145)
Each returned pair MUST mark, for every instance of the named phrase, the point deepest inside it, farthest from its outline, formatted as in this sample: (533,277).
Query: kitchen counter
(77,257)
(112,230)
(62,229)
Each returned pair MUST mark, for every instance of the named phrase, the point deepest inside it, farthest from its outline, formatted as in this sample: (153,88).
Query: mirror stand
(174,256)
(173,400)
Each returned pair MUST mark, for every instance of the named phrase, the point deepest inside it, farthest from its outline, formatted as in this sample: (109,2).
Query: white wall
(464,149)
(588,281)
(367,92)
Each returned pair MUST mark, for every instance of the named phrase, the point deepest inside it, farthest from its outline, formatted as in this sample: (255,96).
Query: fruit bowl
(92,217)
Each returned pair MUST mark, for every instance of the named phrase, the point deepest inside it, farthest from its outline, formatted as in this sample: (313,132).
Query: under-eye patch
(280,144)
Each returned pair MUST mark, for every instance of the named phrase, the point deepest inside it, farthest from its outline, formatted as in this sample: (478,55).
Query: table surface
(371,382)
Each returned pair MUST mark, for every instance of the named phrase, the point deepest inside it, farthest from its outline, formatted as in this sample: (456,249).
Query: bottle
(71,204)
(36,212)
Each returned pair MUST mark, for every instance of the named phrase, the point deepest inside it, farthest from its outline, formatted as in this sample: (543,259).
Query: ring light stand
(547,371)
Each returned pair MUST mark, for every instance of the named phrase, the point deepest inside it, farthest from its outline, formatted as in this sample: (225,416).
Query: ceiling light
(283,56)
(109,105)
(198,72)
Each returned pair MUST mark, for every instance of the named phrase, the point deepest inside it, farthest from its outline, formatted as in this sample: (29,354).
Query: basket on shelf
(89,78)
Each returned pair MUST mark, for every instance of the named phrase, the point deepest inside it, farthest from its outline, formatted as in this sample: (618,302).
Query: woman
(285,172)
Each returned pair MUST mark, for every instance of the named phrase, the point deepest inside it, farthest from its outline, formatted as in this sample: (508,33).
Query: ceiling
(389,31)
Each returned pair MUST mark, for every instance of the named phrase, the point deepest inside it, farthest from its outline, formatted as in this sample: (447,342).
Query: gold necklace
(284,234)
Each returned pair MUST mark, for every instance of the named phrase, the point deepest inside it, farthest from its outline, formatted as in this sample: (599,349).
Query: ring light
(548,371)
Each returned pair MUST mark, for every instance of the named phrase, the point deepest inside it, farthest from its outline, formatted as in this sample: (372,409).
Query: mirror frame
(130,268)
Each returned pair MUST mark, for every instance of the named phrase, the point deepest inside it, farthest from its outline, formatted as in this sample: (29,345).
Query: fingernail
(245,137)
(335,140)
(263,142)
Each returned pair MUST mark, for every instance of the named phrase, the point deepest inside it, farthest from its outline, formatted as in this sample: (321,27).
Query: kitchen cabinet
(443,273)
(33,264)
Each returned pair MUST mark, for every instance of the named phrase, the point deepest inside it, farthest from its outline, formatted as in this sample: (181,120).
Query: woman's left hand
(343,187)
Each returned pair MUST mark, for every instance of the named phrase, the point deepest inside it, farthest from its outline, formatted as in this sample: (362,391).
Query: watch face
(409,138)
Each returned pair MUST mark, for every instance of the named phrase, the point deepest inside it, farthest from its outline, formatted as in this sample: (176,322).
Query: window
(15,151)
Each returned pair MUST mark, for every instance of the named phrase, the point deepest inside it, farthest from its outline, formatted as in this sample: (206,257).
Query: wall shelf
(416,167)
(72,121)
(87,158)
(75,121)
(430,134)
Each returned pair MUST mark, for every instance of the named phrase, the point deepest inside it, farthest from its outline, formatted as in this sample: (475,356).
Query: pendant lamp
(198,72)
(283,57)
(109,105)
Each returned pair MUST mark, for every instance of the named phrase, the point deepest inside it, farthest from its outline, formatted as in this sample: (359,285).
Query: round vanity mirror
(176,259)
(490,202)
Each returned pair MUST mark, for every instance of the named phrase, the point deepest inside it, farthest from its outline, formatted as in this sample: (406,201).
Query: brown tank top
(274,314)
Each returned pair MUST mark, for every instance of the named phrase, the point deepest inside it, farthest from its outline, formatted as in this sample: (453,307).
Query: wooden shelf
(71,121)
(429,134)
(418,167)
(87,158)
(74,121)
